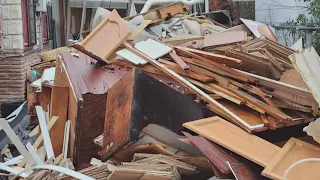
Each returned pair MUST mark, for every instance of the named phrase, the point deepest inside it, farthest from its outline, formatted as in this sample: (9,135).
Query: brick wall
(216,5)
(12,26)
(15,59)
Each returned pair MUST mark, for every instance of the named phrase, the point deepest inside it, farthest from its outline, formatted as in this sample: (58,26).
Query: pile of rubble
(167,95)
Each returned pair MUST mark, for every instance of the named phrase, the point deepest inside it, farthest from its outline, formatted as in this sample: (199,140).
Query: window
(29,22)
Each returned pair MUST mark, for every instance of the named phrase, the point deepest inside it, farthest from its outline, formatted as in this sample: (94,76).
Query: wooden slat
(45,133)
(178,60)
(235,139)
(228,61)
(58,107)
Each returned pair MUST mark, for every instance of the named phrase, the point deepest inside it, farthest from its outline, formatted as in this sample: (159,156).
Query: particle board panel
(224,38)
(293,151)
(153,48)
(235,139)
(107,36)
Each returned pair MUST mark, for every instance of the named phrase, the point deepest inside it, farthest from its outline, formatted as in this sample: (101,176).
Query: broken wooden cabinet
(88,85)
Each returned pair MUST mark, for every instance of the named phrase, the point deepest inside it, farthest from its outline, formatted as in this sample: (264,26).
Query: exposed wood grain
(118,113)
(58,107)
(235,139)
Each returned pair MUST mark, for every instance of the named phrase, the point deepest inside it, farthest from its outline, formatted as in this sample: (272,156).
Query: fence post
(309,35)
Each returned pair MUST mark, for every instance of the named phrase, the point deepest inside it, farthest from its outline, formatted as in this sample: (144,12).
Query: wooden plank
(181,40)
(258,103)
(34,154)
(171,10)
(66,140)
(251,116)
(227,96)
(293,151)
(112,30)
(45,133)
(224,38)
(191,74)
(235,139)
(228,61)
(193,88)
(279,85)
(178,60)
(58,107)
(138,29)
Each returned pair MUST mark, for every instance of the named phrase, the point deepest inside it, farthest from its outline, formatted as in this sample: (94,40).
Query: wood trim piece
(235,139)
(178,60)
(45,132)
(293,151)
(34,154)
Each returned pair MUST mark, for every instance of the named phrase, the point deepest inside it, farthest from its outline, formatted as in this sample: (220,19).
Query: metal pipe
(83,18)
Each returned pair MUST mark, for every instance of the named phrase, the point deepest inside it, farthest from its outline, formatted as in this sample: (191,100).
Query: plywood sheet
(293,151)
(235,139)
(251,116)
(107,36)
(224,38)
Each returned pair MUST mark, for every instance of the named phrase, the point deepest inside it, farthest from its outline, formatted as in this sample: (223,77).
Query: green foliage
(302,20)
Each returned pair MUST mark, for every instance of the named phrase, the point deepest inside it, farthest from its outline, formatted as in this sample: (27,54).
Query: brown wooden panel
(293,151)
(112,30)
(235,139)
(58,107)
(118,113)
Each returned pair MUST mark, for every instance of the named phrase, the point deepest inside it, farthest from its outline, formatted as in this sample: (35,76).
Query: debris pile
(167,95)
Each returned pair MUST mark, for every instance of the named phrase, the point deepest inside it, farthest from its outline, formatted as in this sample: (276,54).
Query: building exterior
(24,34)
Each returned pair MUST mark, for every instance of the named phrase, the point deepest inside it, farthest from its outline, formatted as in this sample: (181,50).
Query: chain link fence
(289,36)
